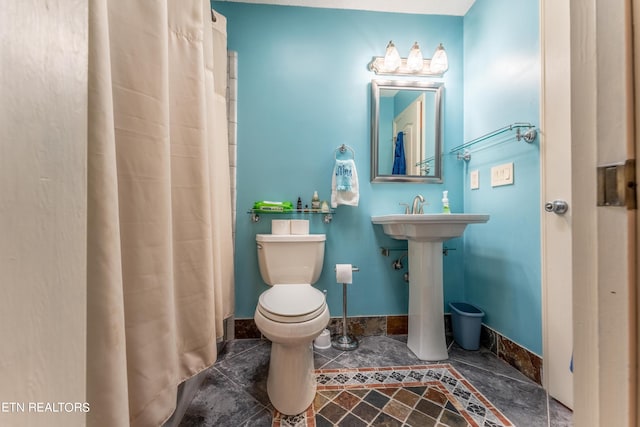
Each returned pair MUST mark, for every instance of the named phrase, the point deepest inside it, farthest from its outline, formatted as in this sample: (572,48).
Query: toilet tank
(290,258)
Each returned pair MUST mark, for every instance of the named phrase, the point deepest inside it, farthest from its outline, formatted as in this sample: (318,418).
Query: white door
(636,80)
(555,151)
(603,244)
(410,122)
(605,308)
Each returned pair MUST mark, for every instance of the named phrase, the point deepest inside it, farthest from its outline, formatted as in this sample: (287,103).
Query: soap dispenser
(315,202)
(445,202)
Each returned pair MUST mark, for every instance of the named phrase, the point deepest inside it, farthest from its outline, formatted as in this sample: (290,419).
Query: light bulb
(391,58)
(439,62)
(414,61)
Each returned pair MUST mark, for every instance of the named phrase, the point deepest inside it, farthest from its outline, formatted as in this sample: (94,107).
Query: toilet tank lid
(290,237)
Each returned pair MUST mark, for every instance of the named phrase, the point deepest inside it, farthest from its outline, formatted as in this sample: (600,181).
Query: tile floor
(233,392)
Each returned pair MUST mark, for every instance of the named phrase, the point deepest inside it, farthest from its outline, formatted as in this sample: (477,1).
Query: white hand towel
(344,184)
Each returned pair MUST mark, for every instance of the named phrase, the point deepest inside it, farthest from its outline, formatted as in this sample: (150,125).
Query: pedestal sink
(425,233)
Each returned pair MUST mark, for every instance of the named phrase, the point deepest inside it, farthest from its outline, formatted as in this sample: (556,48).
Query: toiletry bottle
(315,201)
(445,202)
(299,204)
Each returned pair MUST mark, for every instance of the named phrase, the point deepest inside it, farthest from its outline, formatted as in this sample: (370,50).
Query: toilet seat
(291,303)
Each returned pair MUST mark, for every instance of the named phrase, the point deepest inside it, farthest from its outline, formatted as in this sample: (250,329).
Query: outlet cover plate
(474,179)
(502,175)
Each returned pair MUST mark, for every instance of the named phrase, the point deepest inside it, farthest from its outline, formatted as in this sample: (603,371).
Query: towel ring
(343,149)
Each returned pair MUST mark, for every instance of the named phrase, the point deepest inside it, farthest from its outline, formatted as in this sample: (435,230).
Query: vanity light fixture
(439,62)
(413,65)
(391,61)
(415,60)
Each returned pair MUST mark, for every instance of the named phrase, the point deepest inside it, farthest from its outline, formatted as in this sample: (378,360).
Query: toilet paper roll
(344,273)
(299,226)
(280,226)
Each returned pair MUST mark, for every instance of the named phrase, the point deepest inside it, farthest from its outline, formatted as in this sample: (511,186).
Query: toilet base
(291,384)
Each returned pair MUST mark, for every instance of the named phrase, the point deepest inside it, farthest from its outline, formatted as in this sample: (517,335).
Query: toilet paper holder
(353,268)
(345,342)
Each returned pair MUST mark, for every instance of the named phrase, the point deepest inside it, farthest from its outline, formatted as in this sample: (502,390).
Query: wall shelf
(528,136)
(328,215)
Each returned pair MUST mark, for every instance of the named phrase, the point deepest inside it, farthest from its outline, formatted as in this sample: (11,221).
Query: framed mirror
(406,131)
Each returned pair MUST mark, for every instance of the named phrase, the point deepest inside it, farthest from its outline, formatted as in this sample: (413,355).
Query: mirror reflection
(406,131)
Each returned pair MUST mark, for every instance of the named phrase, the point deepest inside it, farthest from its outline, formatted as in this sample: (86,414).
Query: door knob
(557,206)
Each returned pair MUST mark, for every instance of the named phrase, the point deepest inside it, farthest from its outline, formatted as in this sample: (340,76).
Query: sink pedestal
(426,337)
(425,233)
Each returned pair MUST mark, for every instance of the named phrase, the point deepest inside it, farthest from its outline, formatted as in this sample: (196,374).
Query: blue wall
(304,89)
(502,86)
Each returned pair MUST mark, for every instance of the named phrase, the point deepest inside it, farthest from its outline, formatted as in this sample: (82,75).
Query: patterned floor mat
(420,396)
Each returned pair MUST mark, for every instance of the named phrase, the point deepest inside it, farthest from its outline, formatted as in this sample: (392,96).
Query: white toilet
(291,315)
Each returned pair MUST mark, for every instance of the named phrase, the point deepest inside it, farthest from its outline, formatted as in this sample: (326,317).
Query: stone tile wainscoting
(530,364)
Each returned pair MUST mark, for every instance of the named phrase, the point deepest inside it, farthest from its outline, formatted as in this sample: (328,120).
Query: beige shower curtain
(160,261)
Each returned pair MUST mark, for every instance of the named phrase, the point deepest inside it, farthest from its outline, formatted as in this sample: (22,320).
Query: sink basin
(425,234)
(427,227)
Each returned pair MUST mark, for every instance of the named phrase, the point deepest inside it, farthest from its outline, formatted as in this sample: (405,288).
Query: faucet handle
(421,208)
(406,208)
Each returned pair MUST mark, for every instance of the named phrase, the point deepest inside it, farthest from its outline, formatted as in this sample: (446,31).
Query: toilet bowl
(291,314)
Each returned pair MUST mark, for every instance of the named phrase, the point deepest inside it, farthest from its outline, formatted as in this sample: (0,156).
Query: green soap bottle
(445,202)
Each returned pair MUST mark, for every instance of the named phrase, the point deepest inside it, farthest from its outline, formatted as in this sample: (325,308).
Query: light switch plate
(474,179)
(502,175)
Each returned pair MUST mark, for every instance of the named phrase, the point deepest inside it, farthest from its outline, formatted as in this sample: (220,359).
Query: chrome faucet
(417,209)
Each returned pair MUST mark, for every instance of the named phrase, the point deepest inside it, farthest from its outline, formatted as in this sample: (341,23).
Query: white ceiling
(427,7)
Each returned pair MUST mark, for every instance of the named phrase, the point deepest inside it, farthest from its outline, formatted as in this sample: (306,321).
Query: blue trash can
(466,322)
